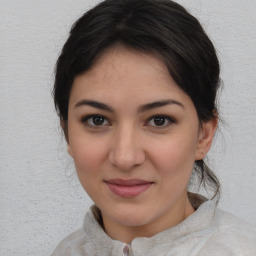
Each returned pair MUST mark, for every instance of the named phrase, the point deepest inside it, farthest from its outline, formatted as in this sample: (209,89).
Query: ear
(64,127)
(206,134)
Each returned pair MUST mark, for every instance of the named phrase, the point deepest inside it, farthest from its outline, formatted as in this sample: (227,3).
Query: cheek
(174,164)
(175,157)
(87,155)
(88,160)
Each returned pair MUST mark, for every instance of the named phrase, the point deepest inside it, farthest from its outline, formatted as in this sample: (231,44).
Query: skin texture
(128,142)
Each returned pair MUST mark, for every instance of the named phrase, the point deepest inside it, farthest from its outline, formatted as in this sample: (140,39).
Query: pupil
(98,120)
(159,121)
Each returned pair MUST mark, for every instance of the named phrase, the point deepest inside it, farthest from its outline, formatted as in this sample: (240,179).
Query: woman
(135,91)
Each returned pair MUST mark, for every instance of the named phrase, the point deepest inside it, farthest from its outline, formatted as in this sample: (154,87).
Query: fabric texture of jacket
(209,231)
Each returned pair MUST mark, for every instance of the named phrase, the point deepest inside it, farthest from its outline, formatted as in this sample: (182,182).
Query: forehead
(121,73)
(118,60)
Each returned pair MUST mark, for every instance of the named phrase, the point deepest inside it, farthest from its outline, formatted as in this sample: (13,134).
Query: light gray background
(41,200)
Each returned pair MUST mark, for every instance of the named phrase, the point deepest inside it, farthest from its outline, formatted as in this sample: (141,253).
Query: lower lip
(128,191)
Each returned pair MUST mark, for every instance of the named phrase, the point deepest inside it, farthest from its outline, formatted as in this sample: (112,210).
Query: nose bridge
(126,151)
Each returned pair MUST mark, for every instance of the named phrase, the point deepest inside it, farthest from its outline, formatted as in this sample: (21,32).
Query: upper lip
(130,182)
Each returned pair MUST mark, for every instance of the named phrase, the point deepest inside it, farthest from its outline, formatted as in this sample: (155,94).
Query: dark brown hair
(160,27)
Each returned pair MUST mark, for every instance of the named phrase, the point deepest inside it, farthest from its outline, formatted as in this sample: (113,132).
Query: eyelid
(170,120)
(85,119)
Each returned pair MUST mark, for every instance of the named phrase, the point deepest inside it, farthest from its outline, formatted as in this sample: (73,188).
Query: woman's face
(134,136)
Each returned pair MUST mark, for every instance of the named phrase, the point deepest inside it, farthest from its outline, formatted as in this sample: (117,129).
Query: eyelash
(85,120)
(167,119)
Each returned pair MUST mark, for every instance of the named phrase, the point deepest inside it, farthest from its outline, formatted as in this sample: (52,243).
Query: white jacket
(209,231)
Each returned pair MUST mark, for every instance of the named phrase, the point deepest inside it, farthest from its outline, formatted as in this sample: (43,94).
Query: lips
(128,188)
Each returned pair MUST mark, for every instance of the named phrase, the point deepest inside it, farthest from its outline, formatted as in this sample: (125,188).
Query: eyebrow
(94,104)
(141,109)
(158,104)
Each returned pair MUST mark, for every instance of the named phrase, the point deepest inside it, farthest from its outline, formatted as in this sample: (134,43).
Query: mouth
(128,188)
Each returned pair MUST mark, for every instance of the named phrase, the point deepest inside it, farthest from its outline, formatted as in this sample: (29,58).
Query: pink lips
(128,188)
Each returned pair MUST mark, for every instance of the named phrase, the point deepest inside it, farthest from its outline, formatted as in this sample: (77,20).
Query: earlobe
(206,136)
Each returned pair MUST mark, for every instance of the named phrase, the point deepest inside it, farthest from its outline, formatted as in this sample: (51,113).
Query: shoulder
(81,242)
(71,243)
(226,222)
(232,235)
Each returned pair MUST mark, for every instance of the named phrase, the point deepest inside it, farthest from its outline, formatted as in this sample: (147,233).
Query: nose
(126,151)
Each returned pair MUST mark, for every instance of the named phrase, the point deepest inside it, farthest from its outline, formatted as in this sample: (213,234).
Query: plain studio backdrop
(41,199)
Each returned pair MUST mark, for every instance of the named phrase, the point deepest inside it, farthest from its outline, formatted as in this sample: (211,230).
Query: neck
(126,234)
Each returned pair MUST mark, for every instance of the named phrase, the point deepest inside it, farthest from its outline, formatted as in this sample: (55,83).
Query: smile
(128,188)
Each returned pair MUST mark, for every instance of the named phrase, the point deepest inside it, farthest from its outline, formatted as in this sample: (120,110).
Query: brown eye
(160,121)
(95,121)
(98,120)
